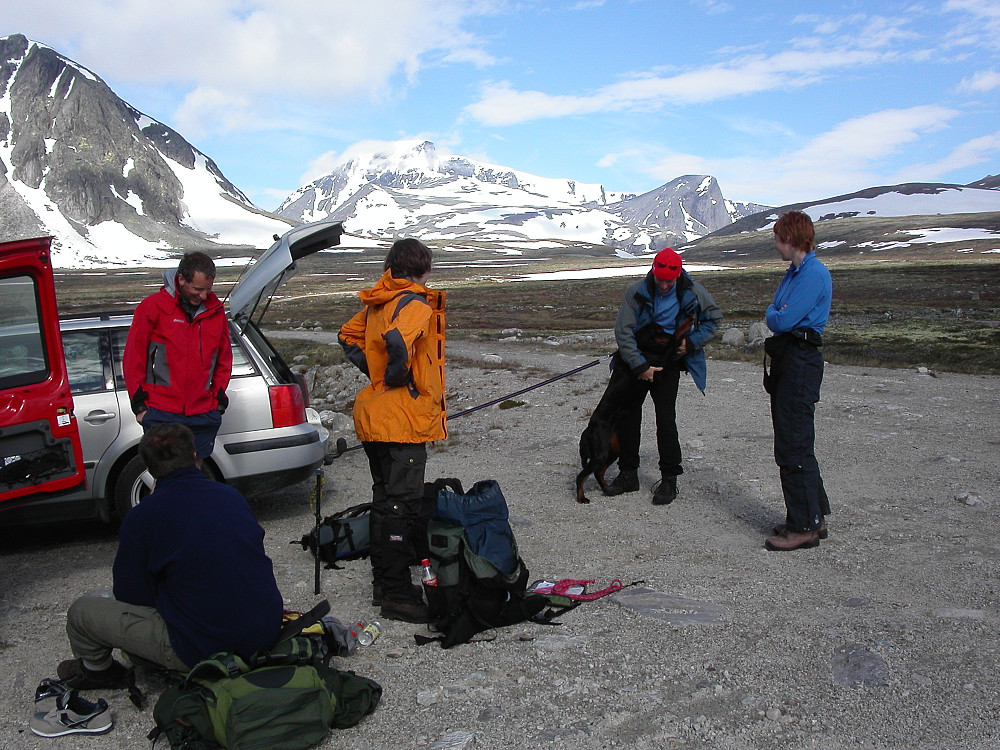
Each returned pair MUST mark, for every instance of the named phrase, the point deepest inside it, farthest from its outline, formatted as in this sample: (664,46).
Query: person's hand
(139,416)
(649,373)
(682,348)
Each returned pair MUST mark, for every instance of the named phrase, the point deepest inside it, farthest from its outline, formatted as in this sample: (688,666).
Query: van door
(40,451)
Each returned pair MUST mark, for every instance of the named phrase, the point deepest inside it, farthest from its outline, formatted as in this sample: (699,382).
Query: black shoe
(415,611)
(665,491)
(73,674)
(418,592)
(626,481)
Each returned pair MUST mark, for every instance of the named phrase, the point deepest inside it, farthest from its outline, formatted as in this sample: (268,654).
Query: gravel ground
(883,637)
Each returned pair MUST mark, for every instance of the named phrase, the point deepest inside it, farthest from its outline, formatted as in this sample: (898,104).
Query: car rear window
(241,363)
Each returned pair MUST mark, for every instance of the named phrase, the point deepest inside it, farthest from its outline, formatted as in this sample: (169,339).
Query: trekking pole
(341,443)
(319,520)
(553,379)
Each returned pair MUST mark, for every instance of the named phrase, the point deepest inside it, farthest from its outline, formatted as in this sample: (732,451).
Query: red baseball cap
(667,264)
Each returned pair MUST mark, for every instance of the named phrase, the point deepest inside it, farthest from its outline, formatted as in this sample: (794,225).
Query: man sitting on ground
(190,578)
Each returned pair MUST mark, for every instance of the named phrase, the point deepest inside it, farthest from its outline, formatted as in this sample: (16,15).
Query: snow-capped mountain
(111,184)
(908,199)
(116,187)
(908,220)
(410,187)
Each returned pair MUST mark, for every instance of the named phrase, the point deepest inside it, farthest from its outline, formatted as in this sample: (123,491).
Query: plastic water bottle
(427,574)
(367,633)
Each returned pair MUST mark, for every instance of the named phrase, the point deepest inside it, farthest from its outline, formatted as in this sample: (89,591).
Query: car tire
(130,487)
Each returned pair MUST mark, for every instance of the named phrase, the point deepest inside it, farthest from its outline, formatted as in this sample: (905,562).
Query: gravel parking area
(883,637)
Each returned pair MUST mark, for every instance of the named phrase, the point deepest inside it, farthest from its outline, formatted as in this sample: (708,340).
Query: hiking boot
(74,675)
(71,714)
(793,540)
(626,481)
(413,611)
(418,591)
(783,529)
(665,491)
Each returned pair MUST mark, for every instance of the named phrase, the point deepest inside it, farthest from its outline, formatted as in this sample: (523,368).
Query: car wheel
(133,484)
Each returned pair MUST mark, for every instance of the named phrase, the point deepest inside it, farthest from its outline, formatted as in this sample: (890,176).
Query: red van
(40,448)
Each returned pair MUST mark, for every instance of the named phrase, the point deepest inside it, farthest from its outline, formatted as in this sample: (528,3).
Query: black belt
(808,335)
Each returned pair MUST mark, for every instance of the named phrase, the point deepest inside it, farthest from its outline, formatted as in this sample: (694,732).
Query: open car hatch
(277,264)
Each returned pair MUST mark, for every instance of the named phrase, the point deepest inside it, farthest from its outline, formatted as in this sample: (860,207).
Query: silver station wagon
(269,438)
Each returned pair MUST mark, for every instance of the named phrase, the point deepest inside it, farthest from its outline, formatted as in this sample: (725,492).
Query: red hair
(796,229)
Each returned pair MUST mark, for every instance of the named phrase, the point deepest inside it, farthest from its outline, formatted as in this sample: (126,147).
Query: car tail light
(287,405)
(301,380)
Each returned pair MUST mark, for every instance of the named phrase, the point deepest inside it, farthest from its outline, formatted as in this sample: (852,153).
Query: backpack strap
(218,666)
(405,298)
(354,510)
(296,626)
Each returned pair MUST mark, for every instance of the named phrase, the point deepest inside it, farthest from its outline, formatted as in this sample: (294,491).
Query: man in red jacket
(178,359)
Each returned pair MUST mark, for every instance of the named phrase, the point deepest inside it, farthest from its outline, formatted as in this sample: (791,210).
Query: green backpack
(284,699)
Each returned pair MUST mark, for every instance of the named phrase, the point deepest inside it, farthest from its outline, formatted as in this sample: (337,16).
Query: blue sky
(780,101)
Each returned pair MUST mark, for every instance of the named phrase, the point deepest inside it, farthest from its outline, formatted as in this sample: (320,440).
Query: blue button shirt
(803,298)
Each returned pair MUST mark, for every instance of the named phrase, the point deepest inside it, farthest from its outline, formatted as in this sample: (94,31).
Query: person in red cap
(651,355)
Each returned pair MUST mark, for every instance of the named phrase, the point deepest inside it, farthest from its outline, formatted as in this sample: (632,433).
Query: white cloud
(320,51)
(980,82)
(969,154)
(843,159)
(326,163)
(862,141)
(980,25)
(501,104)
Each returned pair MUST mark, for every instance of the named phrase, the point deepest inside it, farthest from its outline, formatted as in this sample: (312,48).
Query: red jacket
(173,364)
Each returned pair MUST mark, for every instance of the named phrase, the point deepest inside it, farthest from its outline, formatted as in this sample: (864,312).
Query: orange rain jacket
(397,340)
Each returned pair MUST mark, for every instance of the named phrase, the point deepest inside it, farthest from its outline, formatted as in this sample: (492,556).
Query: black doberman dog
(599,441)
(599,446)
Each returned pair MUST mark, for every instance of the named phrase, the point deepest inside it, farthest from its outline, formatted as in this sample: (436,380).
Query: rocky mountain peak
(74,157)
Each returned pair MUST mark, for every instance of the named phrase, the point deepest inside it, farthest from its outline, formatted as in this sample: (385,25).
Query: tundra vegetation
(943,315)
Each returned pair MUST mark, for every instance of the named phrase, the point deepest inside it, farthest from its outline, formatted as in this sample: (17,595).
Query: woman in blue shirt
(798,316)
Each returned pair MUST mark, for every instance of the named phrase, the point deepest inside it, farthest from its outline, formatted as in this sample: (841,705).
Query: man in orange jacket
(178,360)
(397,340)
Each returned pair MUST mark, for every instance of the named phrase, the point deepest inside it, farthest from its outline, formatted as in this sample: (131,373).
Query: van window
(84,363)
(23,358)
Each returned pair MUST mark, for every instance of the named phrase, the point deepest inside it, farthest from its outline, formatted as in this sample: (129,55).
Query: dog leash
(343,448)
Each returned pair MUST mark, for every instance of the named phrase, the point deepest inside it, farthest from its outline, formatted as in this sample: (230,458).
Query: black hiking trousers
(793,409)
(663,390)
(397,493)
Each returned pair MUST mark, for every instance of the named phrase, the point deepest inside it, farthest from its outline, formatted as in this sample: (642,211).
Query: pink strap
(561,587)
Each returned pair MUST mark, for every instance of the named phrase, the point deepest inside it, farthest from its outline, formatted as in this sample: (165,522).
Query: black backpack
(481,578)
(342,536)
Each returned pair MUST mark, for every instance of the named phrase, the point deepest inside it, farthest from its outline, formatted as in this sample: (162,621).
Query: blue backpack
(481,578)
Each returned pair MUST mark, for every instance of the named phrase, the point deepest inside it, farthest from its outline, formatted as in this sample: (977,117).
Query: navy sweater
(195,552)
